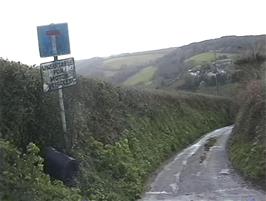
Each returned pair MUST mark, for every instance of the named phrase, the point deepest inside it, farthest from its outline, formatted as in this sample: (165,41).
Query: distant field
(206,57)
(133,60)
(142,77)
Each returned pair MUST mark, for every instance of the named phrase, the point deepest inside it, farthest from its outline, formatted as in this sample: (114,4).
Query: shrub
(22,177)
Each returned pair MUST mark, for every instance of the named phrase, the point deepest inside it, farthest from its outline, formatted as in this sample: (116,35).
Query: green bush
(26,113)
(22,177)
(247,148)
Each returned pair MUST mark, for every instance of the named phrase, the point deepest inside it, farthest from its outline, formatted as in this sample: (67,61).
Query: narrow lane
(202,173)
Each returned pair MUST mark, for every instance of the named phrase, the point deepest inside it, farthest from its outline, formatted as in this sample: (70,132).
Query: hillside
(119,68)
(197,67)
(119,136)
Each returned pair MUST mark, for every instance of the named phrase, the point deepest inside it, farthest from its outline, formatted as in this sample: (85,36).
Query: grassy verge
(226,90)
(248,144)
(134,133)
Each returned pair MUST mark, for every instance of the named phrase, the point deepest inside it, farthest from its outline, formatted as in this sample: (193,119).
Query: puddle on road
(208,143)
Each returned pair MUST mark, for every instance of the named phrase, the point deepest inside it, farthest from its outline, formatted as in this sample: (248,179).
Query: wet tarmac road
(197,174)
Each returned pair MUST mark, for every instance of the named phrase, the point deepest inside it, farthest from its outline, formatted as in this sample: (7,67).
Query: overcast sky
(108,27)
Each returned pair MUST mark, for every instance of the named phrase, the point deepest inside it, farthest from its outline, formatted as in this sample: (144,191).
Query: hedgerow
(119,135)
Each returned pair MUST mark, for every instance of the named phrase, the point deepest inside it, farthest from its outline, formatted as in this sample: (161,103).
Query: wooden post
(216,79)
(62,113)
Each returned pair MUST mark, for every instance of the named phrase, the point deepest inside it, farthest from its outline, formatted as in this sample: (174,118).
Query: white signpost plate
(58,74)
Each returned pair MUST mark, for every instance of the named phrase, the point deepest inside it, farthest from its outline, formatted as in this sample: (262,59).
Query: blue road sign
(53,40)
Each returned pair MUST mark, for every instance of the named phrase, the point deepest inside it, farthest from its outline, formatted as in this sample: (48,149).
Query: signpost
(58,74)
(53,41)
